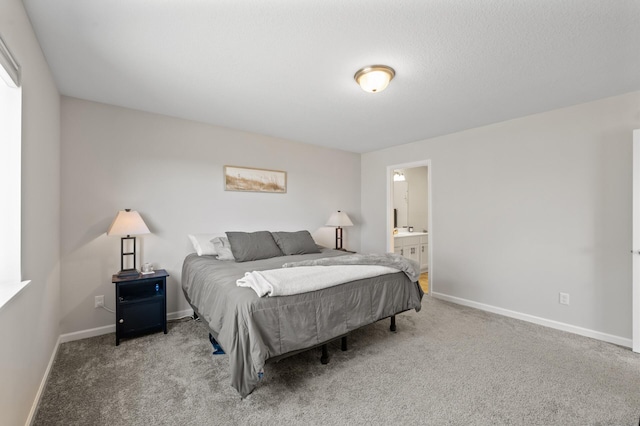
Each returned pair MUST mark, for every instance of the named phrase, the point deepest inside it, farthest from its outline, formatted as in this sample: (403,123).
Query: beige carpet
(446,365)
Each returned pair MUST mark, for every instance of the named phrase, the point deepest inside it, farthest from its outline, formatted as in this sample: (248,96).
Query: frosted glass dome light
(374,78)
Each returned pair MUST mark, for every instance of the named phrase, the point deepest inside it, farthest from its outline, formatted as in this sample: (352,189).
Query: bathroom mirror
(400,199)
(410,198)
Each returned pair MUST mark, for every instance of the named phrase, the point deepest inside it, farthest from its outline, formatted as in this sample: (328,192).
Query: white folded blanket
(302,279)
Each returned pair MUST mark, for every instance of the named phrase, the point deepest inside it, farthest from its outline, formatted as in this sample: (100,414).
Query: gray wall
(29,324)
(525,209)
(170,170)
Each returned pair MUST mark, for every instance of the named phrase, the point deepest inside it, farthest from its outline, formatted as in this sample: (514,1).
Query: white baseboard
(84,334)
(180,314)
(43,382)
(617,340)
(99,331)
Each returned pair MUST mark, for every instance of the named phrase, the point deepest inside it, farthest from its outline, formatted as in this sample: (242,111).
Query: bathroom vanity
(413,245)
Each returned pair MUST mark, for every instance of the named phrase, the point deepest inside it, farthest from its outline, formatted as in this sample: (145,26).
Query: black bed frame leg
(324,359)
(343,343)
(393,323)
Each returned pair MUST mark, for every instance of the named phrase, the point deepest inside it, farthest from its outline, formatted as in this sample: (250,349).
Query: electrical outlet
(564,298)
(99,301)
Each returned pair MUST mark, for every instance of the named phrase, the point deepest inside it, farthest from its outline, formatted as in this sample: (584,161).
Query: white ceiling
(285,68)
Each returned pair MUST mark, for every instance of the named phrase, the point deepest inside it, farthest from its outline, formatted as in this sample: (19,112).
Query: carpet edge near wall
(556,325)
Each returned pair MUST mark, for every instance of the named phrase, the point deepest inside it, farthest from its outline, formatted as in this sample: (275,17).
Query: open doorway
(409,216)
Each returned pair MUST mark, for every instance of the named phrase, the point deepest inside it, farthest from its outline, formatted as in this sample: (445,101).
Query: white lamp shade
(128,222)
(339,219)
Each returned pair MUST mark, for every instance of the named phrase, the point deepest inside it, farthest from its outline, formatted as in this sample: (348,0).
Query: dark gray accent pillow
(247,246)
(300,242)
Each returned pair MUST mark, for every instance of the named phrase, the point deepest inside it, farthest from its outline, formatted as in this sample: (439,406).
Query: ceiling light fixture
(374,78)
(398,177)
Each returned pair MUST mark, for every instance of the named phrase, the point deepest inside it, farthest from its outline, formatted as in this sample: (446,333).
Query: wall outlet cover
(99,301)
(564,298)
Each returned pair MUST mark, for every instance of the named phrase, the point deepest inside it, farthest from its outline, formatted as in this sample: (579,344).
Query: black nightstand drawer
(141,317)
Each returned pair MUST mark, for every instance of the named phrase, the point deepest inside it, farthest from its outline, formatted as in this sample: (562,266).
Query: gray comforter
(252,330)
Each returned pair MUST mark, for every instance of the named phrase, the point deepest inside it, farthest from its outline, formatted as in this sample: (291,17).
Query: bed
(253,330)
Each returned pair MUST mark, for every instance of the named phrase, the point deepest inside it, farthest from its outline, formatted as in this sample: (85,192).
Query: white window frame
(11,282)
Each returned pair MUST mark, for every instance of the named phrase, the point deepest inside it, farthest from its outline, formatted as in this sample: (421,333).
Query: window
(10,169)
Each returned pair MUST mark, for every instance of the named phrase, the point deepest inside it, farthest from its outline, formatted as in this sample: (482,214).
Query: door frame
(635,244)
(389,239)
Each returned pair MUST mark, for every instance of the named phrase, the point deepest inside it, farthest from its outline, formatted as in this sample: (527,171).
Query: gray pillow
(247,246)
(223,248)
(299,242)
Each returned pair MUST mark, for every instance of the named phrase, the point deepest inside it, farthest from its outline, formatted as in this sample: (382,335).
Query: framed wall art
(249,179)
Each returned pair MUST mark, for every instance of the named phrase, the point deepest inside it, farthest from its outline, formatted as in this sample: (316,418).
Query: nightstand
(141,304)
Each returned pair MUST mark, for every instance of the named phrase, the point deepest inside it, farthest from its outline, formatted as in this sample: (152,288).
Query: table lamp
(128,223)
(339,219)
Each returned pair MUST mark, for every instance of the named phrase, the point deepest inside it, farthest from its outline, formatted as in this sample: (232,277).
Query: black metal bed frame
(324,358)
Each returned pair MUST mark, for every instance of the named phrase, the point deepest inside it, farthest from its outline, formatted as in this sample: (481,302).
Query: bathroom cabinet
(413,245)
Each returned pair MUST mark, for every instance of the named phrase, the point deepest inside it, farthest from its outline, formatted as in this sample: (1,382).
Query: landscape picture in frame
(254,180)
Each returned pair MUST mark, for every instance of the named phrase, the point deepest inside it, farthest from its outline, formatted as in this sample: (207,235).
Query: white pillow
(202,244)
(223,248)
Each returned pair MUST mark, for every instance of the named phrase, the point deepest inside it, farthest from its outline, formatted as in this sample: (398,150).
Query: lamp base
(128,273)
(338,238)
